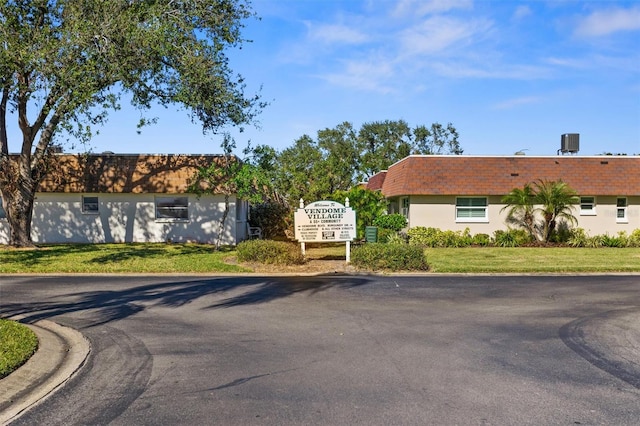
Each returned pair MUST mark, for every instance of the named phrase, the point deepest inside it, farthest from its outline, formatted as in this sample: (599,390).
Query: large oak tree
(65,64)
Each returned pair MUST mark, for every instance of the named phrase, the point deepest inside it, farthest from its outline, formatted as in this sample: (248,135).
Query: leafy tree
(64,64)
(367,204)
(337,171)
(296,176)
(556,199)
(230,177)
(520,207)
(437,140)
(382,143)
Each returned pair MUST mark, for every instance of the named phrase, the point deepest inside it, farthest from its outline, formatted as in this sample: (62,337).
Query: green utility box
(371,234)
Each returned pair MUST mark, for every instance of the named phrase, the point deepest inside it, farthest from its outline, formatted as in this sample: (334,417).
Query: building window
(621,210)
(471,209)
(587,206)
(404,207)
(3,214)
(172,208)
(90,205)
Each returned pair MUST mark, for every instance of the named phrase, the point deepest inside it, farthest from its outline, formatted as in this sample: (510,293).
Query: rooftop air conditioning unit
(570,142)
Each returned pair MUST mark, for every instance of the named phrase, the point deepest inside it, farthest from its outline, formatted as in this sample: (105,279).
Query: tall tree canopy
(64,64)
(340,157)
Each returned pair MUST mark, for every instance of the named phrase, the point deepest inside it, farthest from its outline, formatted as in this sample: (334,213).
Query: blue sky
(509,75)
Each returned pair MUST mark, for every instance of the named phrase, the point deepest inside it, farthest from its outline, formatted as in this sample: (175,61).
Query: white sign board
(325,221)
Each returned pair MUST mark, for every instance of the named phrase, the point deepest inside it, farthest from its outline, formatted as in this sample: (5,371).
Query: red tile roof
(123,173)
(467,175)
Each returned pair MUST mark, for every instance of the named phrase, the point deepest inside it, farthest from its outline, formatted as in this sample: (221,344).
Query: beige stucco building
(458,192)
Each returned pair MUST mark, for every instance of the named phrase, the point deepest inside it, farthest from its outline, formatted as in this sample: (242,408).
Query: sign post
(324,222)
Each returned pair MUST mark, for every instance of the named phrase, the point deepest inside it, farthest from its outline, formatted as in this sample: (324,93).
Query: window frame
(84,208)
(176,207)
(624,218)
(404,206)
(477,219)
(592,210)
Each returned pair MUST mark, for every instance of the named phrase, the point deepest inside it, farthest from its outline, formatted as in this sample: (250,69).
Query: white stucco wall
(439,212)
(58,218)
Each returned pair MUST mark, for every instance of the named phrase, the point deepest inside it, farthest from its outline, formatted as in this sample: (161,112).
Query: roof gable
(123,173)
(466,175)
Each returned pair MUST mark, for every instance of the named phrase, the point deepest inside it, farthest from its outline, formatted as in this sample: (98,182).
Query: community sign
(325,221)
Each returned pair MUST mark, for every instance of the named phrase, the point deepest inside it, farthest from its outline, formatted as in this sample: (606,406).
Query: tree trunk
(18,194)
(19,210)
(225,213)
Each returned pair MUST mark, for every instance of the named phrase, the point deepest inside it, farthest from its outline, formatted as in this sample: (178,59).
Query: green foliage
(612,241)
(395,238)
(367,204)
(64,66)
(434,237)
(338,158)
(520,210)
(17,343)
(578,238)
(481,240)
(511,238)
(634,238)
(394,222)
(556,199)
(273,217)
(395,257)
(270,252)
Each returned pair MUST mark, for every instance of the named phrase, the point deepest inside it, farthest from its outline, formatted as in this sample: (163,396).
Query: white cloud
(369,75)
(516,102)
(422,8)
(604,22)
(439,33)
(521,12)
(498,71)
(335,33)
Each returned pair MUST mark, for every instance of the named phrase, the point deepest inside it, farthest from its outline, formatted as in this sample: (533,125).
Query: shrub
(610,241)
(271,217)
(271,252)
(433,237)
(578,238)
(396,238)
(481,240)
(422,236)
(394,222)
(634,239)
(384,235)
(511,238)
(395,257)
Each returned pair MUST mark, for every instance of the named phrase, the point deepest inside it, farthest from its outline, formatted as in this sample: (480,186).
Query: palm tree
(519,203)
(556,199)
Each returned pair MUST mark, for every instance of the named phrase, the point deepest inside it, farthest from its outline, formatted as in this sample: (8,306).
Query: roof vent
(570,142)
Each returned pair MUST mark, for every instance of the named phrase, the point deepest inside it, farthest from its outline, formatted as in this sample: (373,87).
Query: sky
(509,75)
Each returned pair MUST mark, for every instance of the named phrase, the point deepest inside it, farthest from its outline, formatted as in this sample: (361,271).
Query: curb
(61,352)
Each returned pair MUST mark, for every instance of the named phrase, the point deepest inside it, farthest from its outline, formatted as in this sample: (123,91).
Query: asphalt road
(437,350)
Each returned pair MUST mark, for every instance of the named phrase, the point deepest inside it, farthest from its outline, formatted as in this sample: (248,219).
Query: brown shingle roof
(466,175)
(123,173)
(376,181)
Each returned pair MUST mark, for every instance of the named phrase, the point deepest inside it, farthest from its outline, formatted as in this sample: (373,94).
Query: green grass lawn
(118,258)
(533,260)
(199,258)
(17,343)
